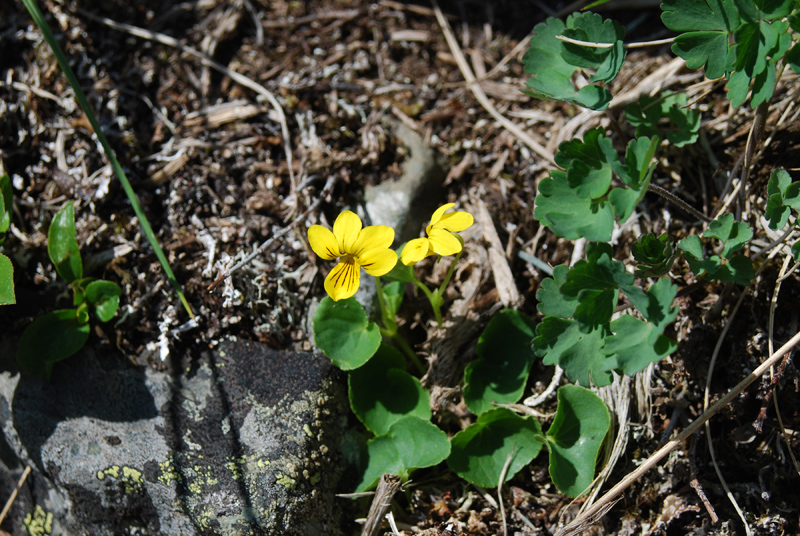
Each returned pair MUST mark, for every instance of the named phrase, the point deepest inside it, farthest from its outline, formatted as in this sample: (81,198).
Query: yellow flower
(440,239)
(356,248)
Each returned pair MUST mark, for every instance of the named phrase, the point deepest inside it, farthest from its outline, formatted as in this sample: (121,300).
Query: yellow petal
(346,229)
(415,250)
(377,261)
(439,211)
(343,280)
(456,221)
(444,242)
(374,236)
(323,242)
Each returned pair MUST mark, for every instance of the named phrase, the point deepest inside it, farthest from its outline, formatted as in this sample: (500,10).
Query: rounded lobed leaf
(410,443)
(479,452)
(344,333)
(505,359)
(381,392)
(575,437)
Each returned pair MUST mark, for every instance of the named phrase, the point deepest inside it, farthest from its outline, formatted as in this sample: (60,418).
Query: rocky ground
(217,176)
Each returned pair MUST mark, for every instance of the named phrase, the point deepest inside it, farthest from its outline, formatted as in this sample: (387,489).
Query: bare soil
(206,158)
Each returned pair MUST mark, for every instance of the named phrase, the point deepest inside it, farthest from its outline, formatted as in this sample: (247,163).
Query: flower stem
(433,297)
(406,349)
(388,319)
(450,271)
(390,329)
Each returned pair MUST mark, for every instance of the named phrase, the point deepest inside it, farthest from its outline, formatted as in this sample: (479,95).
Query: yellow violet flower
(356,248)
(440,235)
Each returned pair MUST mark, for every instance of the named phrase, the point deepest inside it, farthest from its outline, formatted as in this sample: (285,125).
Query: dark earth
(207,159)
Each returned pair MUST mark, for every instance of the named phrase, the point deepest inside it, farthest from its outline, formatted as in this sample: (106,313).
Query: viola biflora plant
(384,388)
(59,334)
(745,43)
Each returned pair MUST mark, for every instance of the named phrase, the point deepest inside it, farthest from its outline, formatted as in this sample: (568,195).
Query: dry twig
(480,95)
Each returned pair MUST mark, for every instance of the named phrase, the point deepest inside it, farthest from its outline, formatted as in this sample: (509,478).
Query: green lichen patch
(39,522)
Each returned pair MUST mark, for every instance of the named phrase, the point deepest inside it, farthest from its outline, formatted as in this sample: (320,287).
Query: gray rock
(404,204)
(246,442)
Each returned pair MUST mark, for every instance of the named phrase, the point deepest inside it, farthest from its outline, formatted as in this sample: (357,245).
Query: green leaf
(410,443)
(480,451)
(738,269)
(551,301)
(344,333)
(382,392)
(665,116)
(7,296)
(62,246)
(635,344)
(733,234)
(705,27)
(576,203)
(692,246)
(796,251)
(757,10)
(587,163)
(759,46)
(579,351)
(552,62)
(393,296)
(654,255)
(793,58)
(504,360)
(574,439)
(570,216)
(104,297)
(783,195)
(6,205)
(49,339)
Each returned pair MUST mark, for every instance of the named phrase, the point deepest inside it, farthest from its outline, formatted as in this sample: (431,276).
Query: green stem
(405,348)
(390,330)
(434,298)
(387,318)
(40,21)
(451,270)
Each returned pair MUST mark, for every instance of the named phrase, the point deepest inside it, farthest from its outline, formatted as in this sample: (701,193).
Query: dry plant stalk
(388,485)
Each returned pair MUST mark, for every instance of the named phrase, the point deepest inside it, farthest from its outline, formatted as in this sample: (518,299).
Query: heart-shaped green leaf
(104,296)
(575,437)
(62,246)
(49,339)
(479,452)
(382,392)
(505,358)
(410,443)
(343,331)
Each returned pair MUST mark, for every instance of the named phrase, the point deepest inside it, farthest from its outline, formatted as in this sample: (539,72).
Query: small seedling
(57,335)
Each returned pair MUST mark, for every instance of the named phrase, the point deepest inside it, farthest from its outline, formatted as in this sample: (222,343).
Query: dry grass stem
(480,95)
